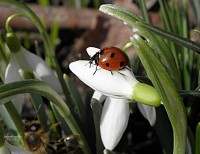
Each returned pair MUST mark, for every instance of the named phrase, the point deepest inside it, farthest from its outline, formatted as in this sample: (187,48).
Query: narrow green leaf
(40,110)
(54,33)
(173,37)
(187,93)
(127,16)
(131,20)
(79,106)
(144,11)
(167,90)
(59,118)
(96,110)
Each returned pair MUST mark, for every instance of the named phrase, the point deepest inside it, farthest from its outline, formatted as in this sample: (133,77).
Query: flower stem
(8,28)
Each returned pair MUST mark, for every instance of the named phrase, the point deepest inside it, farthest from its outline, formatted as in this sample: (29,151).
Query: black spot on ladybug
(122,63)
(107,64)
(112,55)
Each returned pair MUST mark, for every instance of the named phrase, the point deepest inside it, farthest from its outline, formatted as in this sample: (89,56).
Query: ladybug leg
(111,72)
(95,70)
(90,63)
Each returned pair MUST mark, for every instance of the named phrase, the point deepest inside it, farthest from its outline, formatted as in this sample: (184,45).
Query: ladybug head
(95,58)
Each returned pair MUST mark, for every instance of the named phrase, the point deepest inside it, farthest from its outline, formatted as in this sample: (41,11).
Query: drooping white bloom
(22,59)
(27,61)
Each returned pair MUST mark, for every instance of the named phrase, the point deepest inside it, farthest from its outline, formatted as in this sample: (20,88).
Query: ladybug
(110,58)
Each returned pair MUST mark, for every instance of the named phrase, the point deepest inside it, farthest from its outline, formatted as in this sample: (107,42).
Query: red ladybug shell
(112,58)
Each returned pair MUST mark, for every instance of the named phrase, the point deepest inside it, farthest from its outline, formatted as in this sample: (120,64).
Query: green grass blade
(79,106)
(144,11)
(173,37)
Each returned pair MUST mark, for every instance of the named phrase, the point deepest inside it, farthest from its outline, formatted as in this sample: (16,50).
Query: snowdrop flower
(20,58)
(119,86)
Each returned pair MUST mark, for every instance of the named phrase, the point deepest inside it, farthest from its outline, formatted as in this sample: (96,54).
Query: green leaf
(143,8)
(172,37)
(131,20)
(167,90)
(77,100)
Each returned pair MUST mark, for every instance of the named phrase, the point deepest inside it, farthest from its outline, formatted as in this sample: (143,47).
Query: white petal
(42,70)
(99,96)
(12,71)
(12,75)
(148,112)
(114,120)
(92,51)
(119,84)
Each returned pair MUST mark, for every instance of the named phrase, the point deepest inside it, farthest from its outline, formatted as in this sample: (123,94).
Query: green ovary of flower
(146,94)
(12,42)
